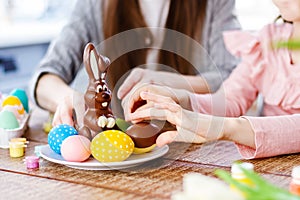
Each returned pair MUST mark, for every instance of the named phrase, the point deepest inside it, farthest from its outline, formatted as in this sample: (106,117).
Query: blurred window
(254,14)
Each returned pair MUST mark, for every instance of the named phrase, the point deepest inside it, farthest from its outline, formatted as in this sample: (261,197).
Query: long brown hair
(184,16)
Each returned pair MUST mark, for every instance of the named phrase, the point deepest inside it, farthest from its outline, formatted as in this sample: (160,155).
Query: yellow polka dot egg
(111,146)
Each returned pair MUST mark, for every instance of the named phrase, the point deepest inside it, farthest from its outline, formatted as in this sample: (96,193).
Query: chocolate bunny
(98,116)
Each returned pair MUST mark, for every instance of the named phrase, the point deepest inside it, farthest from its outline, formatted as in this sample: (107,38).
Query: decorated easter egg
(14,101)
(122,124)
(111,146)
(137,150)
(14,110)
(144,136)
(76,148)
(21,94)
(1,99)
(8,120)
(58,134)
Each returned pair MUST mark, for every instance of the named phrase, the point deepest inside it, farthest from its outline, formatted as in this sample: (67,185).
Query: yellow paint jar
(16,149)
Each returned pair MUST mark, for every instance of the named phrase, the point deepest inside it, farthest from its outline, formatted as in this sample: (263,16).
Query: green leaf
(262,189)
(290,44)
(122,124)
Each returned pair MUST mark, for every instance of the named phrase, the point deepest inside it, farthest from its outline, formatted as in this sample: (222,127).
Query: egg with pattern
(14,110)
(14,101)
(111,146)
(21,94)
(58,134)
(76,148)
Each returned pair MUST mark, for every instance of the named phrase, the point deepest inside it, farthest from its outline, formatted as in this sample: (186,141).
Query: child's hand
(164,108)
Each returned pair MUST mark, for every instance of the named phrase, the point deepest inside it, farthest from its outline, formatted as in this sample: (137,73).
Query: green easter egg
(21,94)
(8,120)
(122,124)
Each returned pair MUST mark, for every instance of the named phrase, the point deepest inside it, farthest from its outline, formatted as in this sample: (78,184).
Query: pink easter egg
(76,148)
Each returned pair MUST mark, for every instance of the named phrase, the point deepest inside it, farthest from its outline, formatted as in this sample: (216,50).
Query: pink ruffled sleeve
(238,92)
(274,135)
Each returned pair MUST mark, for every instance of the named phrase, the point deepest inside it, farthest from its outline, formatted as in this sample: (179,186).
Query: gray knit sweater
(64,56)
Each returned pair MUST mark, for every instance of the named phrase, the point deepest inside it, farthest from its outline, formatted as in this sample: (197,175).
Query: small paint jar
(16,149)
(32,162)
(295,183)
(24,140)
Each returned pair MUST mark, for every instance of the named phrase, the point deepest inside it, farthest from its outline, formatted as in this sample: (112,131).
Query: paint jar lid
(17,144)
(31,159)
(24,140)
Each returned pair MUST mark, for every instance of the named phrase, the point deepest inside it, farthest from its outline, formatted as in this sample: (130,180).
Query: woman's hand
(64,111)
(133,100)
(194,84)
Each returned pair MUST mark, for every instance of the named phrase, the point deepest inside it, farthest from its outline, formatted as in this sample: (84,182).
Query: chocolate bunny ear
(103,63)
(91,57)
(95,65)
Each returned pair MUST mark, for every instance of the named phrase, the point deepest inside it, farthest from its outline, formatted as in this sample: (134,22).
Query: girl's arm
(274,135)
(192,126)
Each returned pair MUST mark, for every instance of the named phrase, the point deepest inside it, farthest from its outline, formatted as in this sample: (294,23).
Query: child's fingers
(166,138)
(185,135)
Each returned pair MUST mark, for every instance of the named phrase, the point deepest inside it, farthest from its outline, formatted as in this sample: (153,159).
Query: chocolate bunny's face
(103,95)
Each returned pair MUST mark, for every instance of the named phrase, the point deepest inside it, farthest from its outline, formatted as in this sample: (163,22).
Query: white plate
(92,164)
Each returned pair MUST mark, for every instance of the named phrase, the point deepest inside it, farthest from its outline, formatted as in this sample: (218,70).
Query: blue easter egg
(58,134)
(21,94)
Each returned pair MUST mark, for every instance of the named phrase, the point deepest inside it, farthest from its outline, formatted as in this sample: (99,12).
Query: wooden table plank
(20,186)
(220,153)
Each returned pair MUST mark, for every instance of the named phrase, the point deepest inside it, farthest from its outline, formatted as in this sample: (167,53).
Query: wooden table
(153,180)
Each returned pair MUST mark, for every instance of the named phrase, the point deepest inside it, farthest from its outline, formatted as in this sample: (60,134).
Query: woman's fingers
(134,77)
(63,113)
(62,116)
(158,98)
(131,100)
